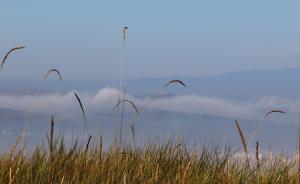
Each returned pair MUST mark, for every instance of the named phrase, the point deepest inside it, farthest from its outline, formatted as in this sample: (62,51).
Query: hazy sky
(184,38)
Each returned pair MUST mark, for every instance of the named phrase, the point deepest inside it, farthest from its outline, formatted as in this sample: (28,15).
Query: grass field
(171,162)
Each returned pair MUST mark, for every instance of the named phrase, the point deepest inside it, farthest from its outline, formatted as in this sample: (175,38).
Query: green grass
(169,162)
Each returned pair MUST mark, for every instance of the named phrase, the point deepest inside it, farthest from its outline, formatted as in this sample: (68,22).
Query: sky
(165,38)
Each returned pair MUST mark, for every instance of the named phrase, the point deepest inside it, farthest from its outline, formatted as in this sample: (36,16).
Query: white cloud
(101,101)
(106,98)
(195,104)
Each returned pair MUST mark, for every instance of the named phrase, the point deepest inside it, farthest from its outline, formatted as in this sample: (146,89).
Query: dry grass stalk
(122,115)
(52,134)
(87,144)
(157,173)
(175,81)
(299,154)
(186,171)
(133,134)
(14,146)
(62,180)
(53,70)
(100,146)
(274,111)
(118,122)
(228,169)
(242,138)
(80,104)
(257,154)
(83,113)
(124,179)
(130,102)
(260,122)
(12,176)
(125,30)
(8,53)
(51,138)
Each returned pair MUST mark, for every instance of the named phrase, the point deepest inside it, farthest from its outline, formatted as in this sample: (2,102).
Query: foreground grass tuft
(170,162)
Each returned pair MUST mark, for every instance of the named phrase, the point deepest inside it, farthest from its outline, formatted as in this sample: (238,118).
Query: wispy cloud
(195,104)
(103,100)
(106,98)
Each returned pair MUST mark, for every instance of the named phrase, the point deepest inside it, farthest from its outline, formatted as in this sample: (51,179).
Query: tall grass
(154,162)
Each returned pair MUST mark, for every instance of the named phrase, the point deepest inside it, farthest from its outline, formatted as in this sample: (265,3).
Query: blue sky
(183,38)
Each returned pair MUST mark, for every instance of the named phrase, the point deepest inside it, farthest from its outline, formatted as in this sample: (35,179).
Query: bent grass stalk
(258,125)
(55,71)
(29,112)
(260,122)
(160,91)
(174,81)
(8,53)
(83,113)
(131,103)
(243,140)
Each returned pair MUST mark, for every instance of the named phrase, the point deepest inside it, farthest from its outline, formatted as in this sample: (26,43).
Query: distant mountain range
(235,85)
